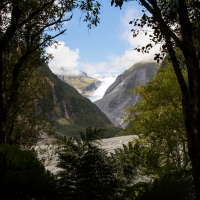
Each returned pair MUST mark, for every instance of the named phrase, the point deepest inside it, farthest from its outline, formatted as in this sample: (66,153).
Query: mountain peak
(120,94)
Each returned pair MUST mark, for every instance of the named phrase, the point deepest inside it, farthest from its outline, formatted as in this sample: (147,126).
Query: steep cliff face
(73,112)
(120,94)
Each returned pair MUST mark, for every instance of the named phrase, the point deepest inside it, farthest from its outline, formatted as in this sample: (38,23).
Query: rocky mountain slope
(73,112)
(84,84)
(120,94)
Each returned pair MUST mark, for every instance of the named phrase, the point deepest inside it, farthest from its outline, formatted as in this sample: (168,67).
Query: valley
(112,94)
(71,112)
(99,103)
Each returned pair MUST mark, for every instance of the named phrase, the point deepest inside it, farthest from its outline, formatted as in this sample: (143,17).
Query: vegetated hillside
(120,94)
(73,112)
(84,84)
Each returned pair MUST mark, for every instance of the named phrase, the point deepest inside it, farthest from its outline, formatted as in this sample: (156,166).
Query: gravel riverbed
(108,144)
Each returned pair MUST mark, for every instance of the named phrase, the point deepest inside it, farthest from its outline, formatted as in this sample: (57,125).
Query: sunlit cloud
(68,61)
(65,60)
(142,39)
(93,68)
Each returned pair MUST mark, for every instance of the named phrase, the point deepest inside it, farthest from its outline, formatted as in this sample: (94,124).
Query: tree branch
(15,15)
(155,11)
(32,15)
(49,25)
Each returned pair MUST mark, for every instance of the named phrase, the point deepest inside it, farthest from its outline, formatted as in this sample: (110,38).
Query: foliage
(142,176)
(86,170)
(22,176)
(126,163)
(175,185)
(158,119)
(27,28)
(159,17)
(156,165)
(175,25)
(27,116)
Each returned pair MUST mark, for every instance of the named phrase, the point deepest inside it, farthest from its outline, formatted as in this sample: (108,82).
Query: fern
(86,170)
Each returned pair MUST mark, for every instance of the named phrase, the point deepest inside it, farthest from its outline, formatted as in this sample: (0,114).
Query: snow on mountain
(106,81)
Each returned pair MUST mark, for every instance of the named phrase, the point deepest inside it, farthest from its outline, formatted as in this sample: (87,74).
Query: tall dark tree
(26,28)
(177,24)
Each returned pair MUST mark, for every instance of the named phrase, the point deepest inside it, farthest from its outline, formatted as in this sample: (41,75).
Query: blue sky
(109,47)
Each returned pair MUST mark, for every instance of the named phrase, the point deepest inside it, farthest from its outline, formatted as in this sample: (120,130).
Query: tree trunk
(2,133)
(191,109)
(191,106)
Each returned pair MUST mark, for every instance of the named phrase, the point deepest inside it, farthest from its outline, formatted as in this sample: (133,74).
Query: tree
(176,24)
(158,118)
(157,163)
(27,27)
(86,170)
(176,185)
(22,176)
(143,177)
(27,118)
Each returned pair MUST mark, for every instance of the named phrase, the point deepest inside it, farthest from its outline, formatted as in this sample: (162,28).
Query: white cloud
(94,68)
(127,35)
(117,64)
(68,61)
(65,61)
(131,55)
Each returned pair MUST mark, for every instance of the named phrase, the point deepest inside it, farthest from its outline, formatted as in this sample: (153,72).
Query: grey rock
(120,94)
